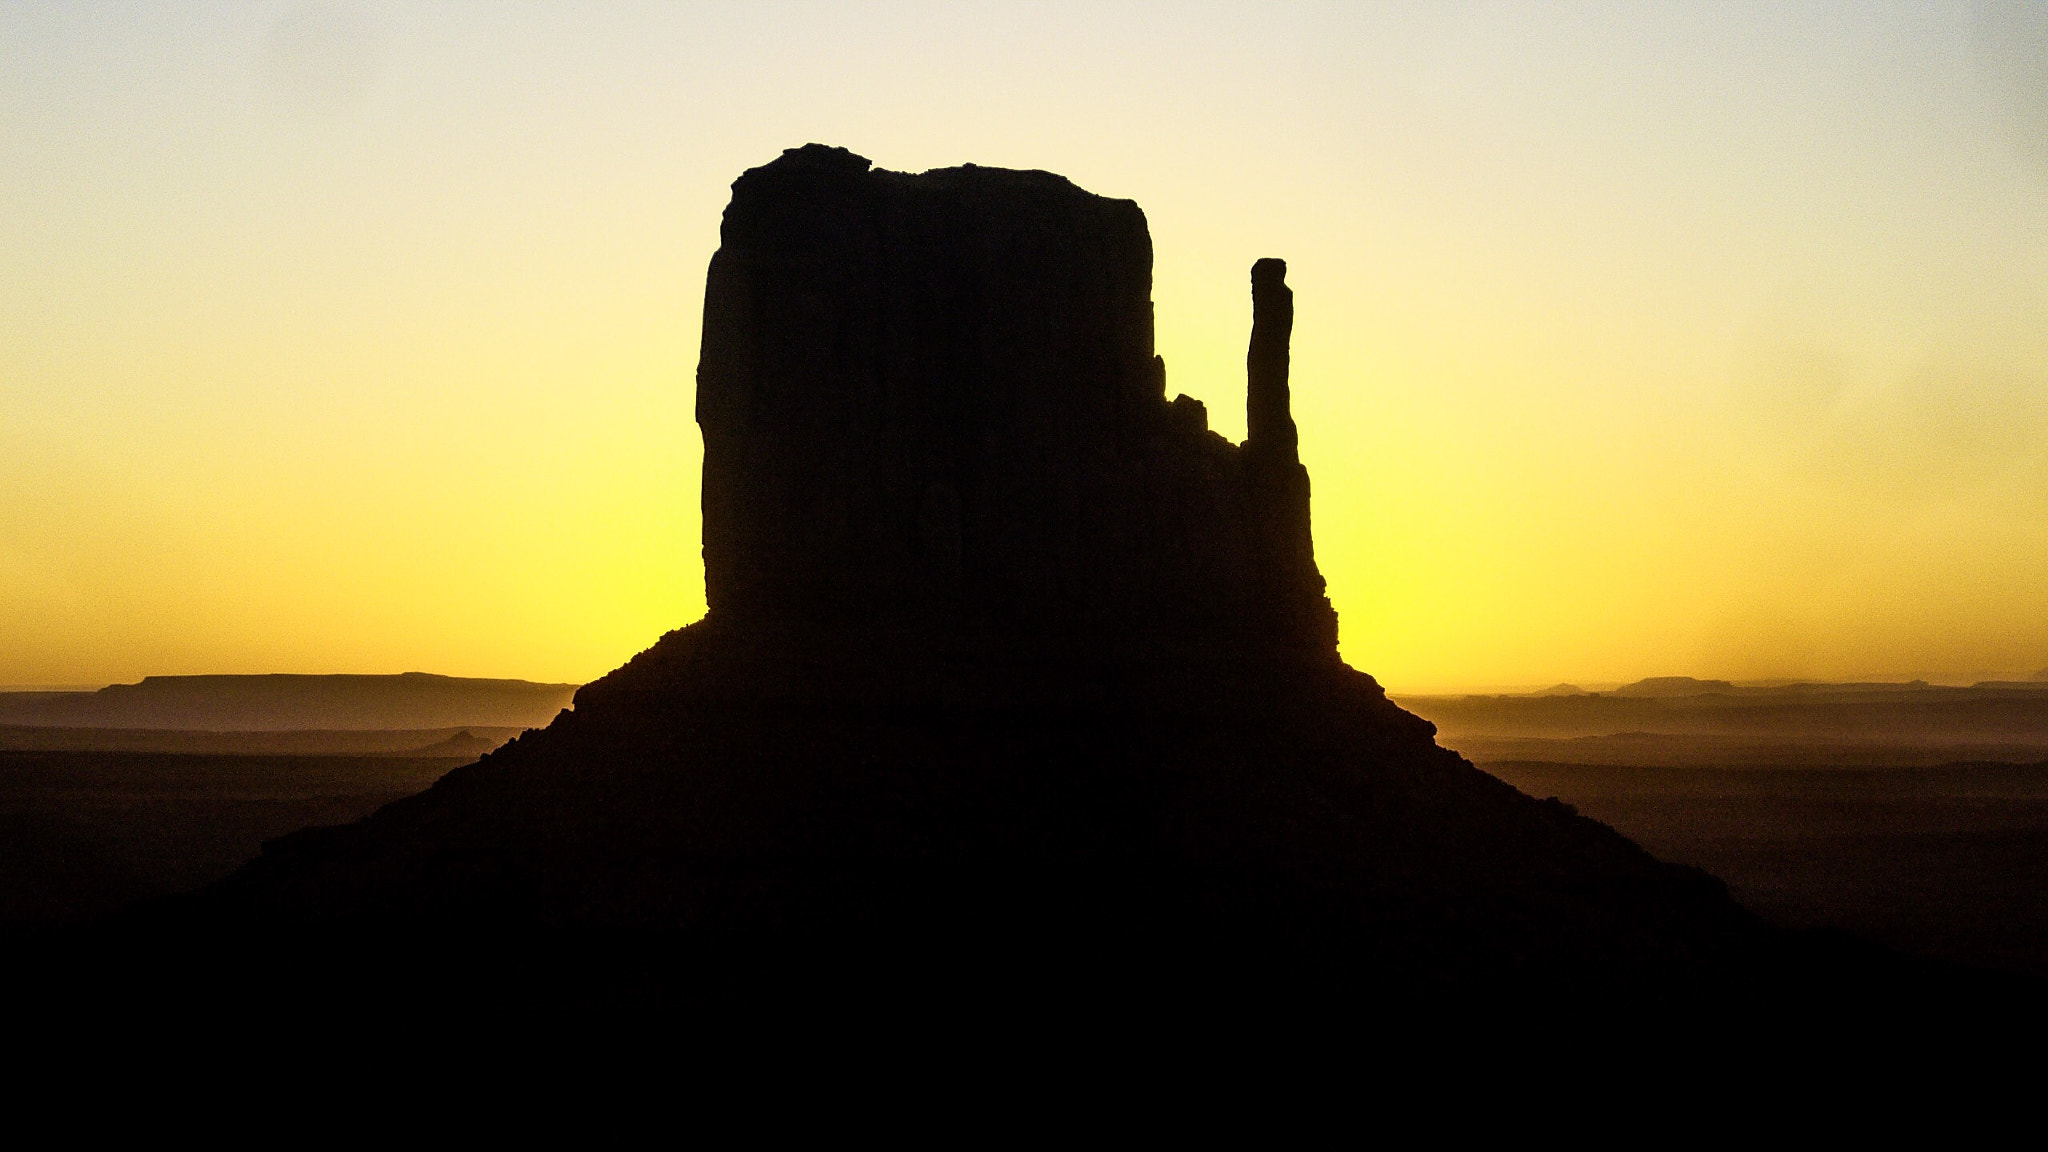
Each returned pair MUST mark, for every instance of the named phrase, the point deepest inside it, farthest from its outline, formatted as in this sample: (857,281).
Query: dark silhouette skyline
(1006,653)
(1018,688)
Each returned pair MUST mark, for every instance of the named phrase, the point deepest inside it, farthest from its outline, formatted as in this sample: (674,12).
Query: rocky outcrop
(933,401)
(1289,588)
(1009,660)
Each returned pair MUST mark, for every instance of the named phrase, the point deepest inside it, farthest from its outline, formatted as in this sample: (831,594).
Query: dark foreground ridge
(1018,686)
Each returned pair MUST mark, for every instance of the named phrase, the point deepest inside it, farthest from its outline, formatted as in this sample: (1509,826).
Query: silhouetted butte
(1008,656)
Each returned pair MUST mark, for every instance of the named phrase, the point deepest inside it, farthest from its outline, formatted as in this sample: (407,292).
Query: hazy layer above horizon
(1631,340)
(412,701)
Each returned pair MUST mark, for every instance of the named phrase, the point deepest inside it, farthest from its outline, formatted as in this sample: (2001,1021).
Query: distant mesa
(284,702)
(1658,686)
(463,744)
(1787,721)
(1562,690)
(1018,685)
(2042,674)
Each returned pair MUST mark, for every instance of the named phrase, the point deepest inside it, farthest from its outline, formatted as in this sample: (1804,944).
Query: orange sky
(1632,339)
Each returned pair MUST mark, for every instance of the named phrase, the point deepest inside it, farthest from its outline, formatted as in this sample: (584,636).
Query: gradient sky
(1633,339)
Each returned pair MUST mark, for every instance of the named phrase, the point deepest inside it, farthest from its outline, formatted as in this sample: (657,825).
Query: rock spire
(1276,483)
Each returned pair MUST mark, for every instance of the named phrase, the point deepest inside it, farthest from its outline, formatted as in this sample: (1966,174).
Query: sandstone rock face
(933,400)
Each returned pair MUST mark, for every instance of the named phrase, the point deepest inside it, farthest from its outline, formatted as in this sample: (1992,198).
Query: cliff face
(932,400)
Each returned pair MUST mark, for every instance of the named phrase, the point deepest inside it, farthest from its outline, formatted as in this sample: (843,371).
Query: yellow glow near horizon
(1710,341)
